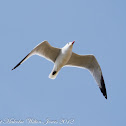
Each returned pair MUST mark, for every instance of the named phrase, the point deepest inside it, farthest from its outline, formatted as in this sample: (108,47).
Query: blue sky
(97,26)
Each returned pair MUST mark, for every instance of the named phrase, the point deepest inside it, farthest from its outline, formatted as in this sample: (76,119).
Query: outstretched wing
(45,50)
(89,62)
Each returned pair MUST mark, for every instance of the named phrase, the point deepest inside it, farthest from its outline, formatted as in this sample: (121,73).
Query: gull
(65,57)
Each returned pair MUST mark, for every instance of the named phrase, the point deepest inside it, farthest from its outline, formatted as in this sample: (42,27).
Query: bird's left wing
(89,62)
(45,50)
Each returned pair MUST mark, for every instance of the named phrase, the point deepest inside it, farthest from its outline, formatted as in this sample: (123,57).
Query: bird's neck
(67,50)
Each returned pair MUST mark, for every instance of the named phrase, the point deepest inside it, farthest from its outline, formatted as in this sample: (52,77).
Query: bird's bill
(73,42)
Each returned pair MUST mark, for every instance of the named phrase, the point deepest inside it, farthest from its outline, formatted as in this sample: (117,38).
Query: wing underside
(45,50)
(89,62)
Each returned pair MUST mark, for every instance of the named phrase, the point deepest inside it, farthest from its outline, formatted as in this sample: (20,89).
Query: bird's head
(68,47)
(69,44)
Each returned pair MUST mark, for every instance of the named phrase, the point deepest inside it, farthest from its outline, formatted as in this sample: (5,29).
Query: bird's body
(61,60)
(65,57)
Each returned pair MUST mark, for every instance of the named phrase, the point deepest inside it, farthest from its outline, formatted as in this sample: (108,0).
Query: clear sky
(97,26)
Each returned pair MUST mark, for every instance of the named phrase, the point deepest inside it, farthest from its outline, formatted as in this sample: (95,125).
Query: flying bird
(65,57)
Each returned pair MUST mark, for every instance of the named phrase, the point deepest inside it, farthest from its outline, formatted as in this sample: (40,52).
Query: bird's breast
(62,59)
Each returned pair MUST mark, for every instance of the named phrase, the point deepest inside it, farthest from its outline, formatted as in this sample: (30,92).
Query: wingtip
(106,96)
(20,62)
(103,88)
(12,69)
(15,67)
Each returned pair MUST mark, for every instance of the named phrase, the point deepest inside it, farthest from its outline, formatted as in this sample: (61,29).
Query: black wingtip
(103,88)
(16,66)
(20,62)
(106,96)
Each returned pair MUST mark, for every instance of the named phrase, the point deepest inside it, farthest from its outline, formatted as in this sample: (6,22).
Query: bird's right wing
(43,49)
(89,62)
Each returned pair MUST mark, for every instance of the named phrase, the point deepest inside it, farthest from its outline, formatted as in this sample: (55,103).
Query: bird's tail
(53,74)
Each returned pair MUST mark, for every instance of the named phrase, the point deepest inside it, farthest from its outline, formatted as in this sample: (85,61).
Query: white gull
(65,57)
